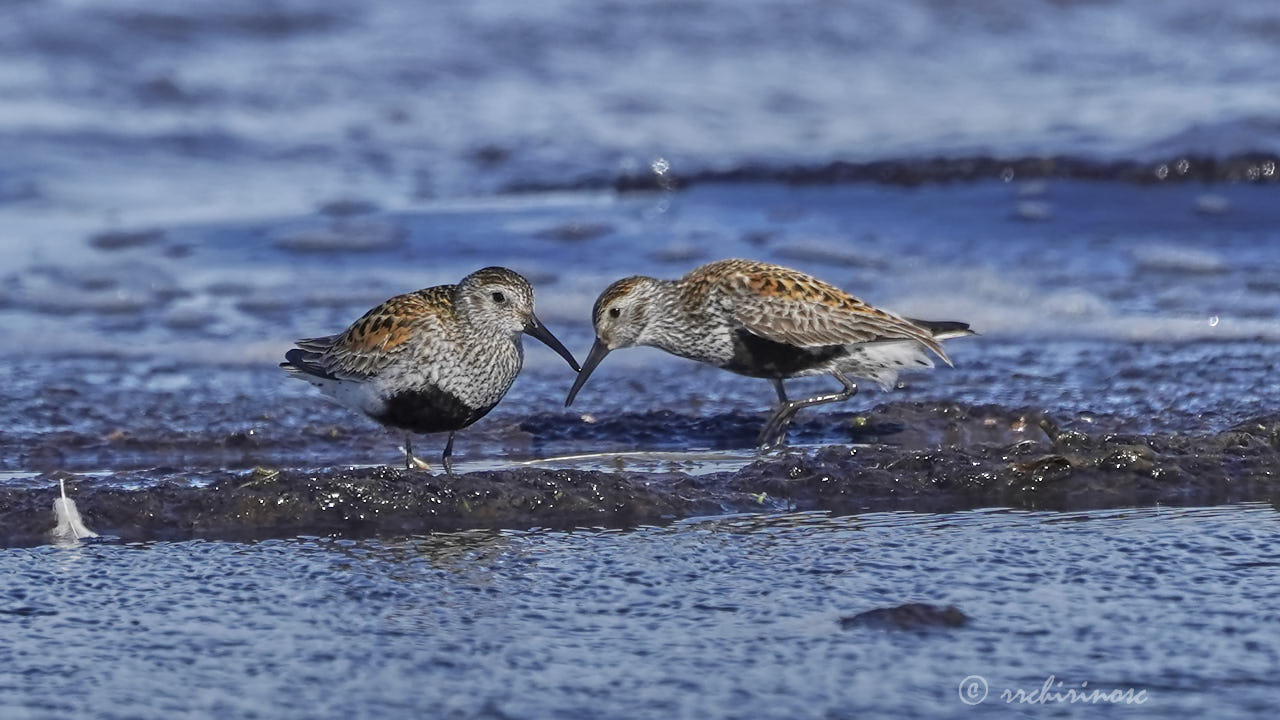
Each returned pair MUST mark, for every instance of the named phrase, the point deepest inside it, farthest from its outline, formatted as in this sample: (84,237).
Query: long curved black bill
(535,329)
(598,351)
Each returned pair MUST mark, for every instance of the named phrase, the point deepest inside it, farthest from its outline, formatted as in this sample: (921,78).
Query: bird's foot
(770,442)
(774,435)
(413,462)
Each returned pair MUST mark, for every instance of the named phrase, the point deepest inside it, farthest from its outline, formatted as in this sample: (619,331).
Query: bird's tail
(305,362)
(881,362)
(944,329)
(940,330)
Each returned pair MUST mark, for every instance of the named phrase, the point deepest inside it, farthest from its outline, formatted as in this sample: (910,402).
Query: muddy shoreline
(917,457)
(1258,168)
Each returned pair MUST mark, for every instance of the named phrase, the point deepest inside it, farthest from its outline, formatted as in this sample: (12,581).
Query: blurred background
(187,187)
(132,112)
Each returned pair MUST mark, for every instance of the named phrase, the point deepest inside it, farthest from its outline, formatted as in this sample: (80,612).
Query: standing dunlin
(765,321)
(435,360)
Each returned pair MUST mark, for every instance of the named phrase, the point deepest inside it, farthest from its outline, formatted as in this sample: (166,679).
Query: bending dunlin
(765,321)
(435,360)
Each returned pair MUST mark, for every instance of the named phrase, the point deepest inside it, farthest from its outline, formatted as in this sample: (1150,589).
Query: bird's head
(622,317)
(495,299)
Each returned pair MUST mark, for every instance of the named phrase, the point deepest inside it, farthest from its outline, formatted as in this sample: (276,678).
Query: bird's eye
(614,312)
(499,297)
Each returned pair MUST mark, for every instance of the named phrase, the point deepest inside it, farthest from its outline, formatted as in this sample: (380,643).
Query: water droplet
(1213,321)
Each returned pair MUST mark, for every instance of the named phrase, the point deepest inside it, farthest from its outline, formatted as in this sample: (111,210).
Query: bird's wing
(378,338)
(318,344)
(791,307)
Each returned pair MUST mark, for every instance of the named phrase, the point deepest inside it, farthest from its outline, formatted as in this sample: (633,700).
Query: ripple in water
(717,617)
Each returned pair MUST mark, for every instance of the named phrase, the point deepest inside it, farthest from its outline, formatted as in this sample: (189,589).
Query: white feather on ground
(70,525)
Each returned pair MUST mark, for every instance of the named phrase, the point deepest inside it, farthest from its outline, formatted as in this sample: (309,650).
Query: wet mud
(917,456)
(1252,167)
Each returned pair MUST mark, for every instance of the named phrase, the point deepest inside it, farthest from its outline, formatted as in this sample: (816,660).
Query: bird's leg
(782,404)
(412,462)
(446,460)
(782,392)
(775,431)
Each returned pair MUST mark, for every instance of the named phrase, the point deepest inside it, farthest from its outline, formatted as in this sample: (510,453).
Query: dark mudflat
(919,457)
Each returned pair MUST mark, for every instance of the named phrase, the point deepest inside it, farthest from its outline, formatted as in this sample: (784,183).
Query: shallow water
(720,617)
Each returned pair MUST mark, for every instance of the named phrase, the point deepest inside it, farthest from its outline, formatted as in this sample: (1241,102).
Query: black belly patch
(428,411)
(755,356)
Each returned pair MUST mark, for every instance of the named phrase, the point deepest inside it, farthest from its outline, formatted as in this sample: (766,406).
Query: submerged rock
(912,616)
(125,239)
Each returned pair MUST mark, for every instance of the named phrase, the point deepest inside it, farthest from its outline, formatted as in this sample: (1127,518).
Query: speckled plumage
(767,321)
(434,360)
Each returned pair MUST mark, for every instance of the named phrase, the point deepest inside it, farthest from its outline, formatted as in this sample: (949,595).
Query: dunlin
(765,321)
(435,360)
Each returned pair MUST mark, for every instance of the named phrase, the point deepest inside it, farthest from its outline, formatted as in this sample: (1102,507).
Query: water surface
(721,617)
